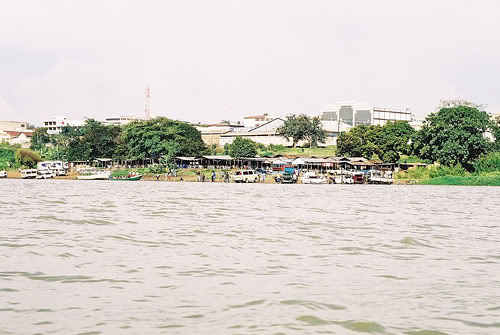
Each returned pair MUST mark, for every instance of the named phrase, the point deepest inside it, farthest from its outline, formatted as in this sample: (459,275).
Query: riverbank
(463,181)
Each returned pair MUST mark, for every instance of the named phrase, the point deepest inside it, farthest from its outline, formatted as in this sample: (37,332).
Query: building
(211,133)
(353,114)
(256,120)
(121,120)
(383,115)
(13,125)
(22,138)
(55,125)
(265,133)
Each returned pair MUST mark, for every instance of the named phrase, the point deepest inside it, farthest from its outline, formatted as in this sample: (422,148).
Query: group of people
(213,176)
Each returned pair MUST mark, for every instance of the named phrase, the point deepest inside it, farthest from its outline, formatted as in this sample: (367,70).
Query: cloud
(215,60)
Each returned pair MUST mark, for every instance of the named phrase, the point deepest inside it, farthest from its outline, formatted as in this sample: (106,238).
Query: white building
(55,125)
(121,120)
(253,121)
(13,137)
(353,114)
(264,133)
(13,125)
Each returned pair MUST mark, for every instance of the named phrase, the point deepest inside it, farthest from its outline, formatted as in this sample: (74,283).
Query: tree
(40,139)
(243,147)
(296,127)
(395,140)
(27,157)
(162,137)
(315,133)
(360,141)
(453,135)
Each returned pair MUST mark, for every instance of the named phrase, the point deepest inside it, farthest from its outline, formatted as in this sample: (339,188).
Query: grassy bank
(472,180)
(302,152)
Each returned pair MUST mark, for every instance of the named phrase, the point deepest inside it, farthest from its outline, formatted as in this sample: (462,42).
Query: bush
(442,171)
(27,158)
(487,163)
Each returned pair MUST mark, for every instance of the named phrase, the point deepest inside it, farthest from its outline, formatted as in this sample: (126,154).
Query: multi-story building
(13,125)
(211,133)
(121,120)
(55,125)
(353,114)
(257,120)
(383,115)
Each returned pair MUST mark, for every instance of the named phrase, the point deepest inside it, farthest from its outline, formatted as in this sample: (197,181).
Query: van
(28,174)
(44,174)
(246,176)
(3,174)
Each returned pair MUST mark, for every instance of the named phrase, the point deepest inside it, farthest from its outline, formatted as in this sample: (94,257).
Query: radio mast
(147,103)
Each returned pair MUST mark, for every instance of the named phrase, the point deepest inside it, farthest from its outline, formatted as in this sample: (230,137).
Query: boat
(313,178)
(94,175)
(380,177)
(128,178)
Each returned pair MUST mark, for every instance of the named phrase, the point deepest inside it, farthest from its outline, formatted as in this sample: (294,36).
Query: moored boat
(95,175)
(128,178)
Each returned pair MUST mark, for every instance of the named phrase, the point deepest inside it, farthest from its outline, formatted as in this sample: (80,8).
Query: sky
(215,60)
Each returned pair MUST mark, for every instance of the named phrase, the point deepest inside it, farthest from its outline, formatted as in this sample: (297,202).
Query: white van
(246,176)
(28,173)
(3,174)
(44,174)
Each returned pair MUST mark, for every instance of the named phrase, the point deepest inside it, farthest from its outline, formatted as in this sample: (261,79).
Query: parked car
(286,178)
(245,176)
(28,173)
(3,174)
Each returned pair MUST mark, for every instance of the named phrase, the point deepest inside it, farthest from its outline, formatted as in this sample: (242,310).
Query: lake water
(104,257)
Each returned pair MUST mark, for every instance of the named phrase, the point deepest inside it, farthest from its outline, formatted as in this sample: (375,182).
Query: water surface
(101,257)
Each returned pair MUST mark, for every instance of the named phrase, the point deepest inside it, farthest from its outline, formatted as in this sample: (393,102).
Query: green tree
(40,139)
(454,135)
(27,158)
(296,127)
(395,140)
(243,147)
(162,137)
(360,141)
(315,133)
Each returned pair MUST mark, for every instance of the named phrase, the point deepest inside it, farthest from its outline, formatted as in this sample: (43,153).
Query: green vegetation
(242,147)
(386,142)
(8,157)
(303,128)
(273,150)
(472,180)
(160,137)
(27,158)
(454,135)
(488,163)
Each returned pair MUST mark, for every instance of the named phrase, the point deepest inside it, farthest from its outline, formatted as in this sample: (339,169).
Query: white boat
(380,177)
(95,175)
(313,178)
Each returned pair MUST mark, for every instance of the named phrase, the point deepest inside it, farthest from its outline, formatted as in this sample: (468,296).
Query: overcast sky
(224,59)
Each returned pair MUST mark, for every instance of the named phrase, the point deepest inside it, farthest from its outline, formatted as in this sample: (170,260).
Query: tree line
(458,134)
(156,138)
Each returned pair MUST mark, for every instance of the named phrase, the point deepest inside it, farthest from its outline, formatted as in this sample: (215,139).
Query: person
(263,177)
(213,176)
(202,177)
(157,177)
(198,176)
(182,179)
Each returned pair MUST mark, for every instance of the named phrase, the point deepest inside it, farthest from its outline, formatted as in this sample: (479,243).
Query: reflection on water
(187,258)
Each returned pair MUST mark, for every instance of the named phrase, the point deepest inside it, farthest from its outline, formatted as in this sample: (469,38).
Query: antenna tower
(147,103)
